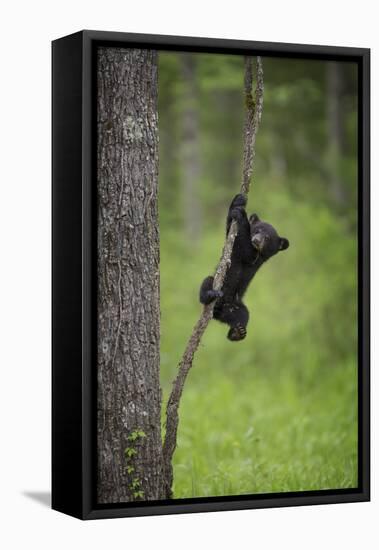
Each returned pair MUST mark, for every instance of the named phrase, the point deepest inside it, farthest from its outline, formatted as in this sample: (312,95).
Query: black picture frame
(74,274)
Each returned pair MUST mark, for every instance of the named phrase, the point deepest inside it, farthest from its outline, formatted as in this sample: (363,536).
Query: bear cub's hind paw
(237,333)
(213,294)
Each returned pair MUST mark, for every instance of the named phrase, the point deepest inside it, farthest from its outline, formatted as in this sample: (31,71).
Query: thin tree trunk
(129,395)
(253,114)
(190,149)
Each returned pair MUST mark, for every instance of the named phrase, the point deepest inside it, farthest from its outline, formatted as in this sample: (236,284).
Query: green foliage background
(277,411)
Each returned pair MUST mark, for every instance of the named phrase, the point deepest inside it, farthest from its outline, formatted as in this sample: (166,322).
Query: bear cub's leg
(207,294)
(234,314)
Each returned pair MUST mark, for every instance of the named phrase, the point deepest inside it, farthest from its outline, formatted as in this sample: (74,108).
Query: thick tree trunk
(190,149)
(129,395)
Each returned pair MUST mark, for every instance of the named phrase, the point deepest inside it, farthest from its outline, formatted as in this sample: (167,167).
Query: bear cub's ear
(254,218)
(284,243)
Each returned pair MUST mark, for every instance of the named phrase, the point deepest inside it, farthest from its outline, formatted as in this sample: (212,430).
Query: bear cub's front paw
(238,201)
(236,213)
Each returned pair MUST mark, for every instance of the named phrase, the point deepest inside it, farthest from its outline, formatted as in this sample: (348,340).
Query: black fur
(256,242)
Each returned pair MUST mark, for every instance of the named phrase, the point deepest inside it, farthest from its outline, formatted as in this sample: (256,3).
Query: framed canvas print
(210,275)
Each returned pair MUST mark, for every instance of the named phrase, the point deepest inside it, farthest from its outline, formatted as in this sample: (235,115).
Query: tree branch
(253,116)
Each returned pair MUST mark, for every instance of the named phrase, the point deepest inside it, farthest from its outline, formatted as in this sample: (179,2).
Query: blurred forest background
(277,411)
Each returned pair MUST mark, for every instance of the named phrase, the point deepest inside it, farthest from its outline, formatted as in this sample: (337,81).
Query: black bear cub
(256,242)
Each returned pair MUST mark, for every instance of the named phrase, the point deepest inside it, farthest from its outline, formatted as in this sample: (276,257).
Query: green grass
(278,411)
(266,434)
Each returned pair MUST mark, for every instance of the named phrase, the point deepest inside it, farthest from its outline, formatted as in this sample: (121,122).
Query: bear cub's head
(265,239)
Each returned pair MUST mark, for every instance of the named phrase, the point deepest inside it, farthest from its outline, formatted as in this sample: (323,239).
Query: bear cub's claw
(237,333)
(215,294)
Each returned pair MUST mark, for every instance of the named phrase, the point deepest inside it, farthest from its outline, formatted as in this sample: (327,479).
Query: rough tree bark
(254,106)
(129,395)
